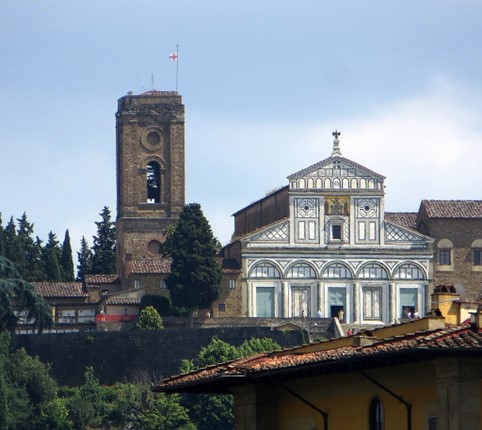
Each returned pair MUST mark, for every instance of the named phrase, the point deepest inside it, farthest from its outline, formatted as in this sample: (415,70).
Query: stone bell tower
(150,172)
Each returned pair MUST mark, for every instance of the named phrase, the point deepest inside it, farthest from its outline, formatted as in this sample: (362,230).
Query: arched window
(409,271)
(336,271)
(477,253)
(153,182)
(444,252)
(265,270)
(301,270)
(373,271)
(375,415)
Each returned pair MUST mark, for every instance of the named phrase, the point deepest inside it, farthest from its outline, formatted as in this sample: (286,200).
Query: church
(323,246)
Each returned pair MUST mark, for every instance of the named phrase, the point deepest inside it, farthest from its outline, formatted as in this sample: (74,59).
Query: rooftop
(60,289)
(452,208)
(363,349)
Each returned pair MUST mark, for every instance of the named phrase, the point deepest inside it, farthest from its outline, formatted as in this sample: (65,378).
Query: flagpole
(177,64)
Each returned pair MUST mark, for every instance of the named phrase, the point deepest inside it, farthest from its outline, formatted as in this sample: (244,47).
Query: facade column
(356,316)
(249,297)
(285,296)
(319,305)
(392,311)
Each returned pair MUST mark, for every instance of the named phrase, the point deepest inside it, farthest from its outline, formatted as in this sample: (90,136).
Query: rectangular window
(221,307)
(265,302)
(477,257)
(444,257)
(311,230)
(372,230)
(372,303)
(362,230)
(432,423)
(408,302)
(137,284)
(301,230)
(336,232)
(105,292)
(232,284)
(162,284)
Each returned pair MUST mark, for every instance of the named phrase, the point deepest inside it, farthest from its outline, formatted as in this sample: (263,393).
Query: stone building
(322,246)
(150,177)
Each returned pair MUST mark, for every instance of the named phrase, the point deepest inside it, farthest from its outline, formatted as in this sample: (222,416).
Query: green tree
(84,258)
(13,247)
(195,274)
(160,303)
(103,261)
(165,412)
(215,412)
(2,237)
(17,294)
(149,319)
(30,263)
(51,255)
(66,262)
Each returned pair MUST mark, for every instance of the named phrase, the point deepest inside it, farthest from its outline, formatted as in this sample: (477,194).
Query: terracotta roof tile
(405,219)
(452,208)
(101,279)
(163,266)
(123,301)
(455,338)
(155,266)
(60,289)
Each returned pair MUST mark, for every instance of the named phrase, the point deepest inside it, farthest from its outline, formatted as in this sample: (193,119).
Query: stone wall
(134,355)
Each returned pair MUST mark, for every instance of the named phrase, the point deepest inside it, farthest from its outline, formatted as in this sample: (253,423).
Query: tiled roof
(230,265)
(101,279)
(405,219)
(60,289)
(159,265)
(452,208)
(123,301)
(435,340)
(163,266)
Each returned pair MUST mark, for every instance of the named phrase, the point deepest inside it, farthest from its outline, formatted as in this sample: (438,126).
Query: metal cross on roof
(336,143)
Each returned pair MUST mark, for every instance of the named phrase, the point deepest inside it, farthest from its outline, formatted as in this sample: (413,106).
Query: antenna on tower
(152,80)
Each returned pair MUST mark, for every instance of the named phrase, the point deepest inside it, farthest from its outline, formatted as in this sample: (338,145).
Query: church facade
(323,247)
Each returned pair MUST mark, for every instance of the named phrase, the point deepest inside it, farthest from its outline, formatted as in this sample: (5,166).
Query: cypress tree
(2,238)
(13,249)
(51,255)
(103,261)
(195,274)
(66,262)
(84,257)
(30,263)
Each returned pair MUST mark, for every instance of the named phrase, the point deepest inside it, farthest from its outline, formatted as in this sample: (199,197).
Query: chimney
(476,320)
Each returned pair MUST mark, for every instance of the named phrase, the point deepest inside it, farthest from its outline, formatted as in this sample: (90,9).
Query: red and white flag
(173,56)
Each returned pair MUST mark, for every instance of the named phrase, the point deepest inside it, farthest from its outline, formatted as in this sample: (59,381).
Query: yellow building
(421,375)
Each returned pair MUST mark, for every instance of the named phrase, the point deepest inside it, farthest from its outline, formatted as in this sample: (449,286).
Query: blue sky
(264,84)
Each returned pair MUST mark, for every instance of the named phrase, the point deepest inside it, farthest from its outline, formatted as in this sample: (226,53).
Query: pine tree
(30,261)
(15,292)
(13,249)
(2,238)
(84,257)
(195,274)
(51,255)
(103,261)
(66,262)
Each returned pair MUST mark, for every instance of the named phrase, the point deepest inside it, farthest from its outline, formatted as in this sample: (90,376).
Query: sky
(264,84)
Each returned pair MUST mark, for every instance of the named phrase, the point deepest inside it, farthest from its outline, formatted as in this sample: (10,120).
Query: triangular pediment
(274,233)
(395,233)
(335,173)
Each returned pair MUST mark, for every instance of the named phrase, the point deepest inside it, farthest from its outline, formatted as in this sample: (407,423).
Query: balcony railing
(114,318)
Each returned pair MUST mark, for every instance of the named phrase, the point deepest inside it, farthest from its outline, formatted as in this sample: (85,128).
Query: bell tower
(150,172)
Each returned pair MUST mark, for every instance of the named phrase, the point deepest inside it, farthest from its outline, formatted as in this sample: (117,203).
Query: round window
(153,138)
(154,247)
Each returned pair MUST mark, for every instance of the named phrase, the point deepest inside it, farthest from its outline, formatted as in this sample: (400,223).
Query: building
(421,375)
(150,178)
(322,246)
